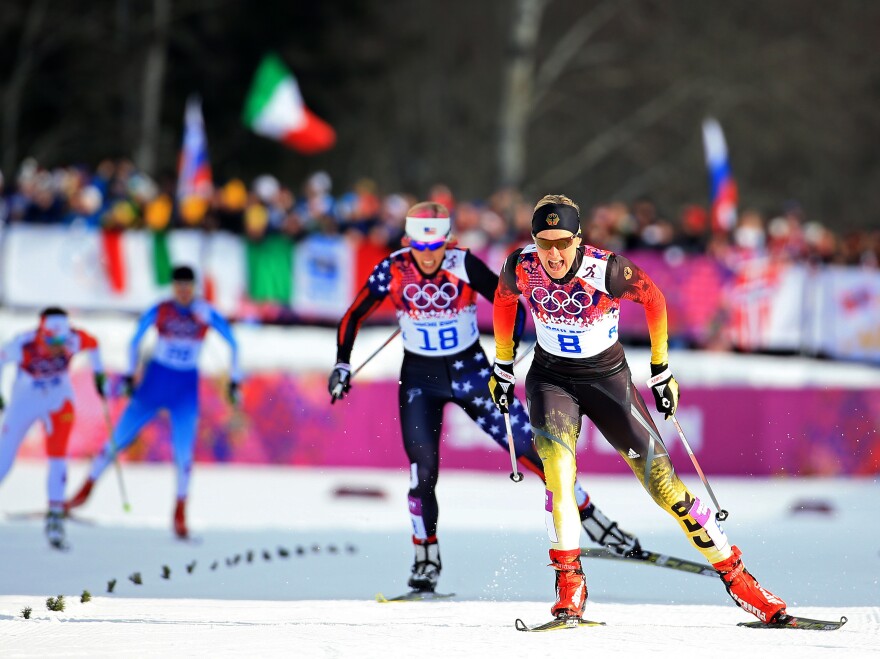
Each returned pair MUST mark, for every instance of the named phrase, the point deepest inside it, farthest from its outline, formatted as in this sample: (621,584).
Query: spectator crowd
(115,195)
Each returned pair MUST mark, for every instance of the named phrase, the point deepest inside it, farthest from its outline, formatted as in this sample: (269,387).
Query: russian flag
(724,194)
(194,190)
(194,168)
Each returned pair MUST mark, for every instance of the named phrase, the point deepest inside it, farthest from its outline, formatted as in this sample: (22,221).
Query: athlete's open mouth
(555,266)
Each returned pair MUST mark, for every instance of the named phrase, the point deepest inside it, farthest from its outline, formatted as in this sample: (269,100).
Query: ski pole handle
(722,514)
(336,394)
(515,475)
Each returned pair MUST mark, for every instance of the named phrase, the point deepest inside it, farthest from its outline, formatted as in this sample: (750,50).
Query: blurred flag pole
(195,186)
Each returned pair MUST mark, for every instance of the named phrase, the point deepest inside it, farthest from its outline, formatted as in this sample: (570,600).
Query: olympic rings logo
(560,300)
(423,297)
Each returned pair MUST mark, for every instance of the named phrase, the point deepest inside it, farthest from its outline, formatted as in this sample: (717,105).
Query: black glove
(665,389)
(2,403)
(501,385)
(340,381)
(233,393)
(128,386)
(101,384)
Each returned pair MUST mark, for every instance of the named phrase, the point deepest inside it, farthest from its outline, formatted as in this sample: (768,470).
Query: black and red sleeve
(366,302)
(624,279)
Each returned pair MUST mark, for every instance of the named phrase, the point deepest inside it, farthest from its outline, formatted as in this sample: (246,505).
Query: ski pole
(337,390)
(722,514)
(526,353)
(515,475)
(125,505)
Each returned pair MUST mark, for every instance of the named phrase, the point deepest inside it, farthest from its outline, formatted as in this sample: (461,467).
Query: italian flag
(274,108)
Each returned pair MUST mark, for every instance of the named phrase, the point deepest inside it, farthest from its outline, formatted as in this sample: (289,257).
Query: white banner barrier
(829,310)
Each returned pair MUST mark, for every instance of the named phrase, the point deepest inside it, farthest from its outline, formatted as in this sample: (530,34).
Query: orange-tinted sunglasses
(559,243)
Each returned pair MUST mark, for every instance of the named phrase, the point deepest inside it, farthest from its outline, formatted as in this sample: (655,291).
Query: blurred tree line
(599,99)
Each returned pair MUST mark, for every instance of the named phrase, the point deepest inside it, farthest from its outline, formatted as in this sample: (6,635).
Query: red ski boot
(571,586)
(746,591)
(180,529)
(81,496)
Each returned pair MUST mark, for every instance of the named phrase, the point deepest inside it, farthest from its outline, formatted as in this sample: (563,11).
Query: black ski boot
(426,566)
(606,533)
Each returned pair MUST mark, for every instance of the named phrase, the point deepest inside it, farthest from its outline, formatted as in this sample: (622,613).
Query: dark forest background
(597,99)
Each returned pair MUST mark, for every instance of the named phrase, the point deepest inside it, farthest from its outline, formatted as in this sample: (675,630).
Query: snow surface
(320,602)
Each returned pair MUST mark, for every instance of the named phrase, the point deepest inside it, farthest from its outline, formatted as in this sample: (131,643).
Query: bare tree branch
(570,46)
(662,170)
(608,141)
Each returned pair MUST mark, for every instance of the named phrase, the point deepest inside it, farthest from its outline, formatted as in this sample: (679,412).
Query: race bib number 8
(569,342)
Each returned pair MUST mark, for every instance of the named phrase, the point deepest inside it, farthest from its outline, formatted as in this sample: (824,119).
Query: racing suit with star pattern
(443,363)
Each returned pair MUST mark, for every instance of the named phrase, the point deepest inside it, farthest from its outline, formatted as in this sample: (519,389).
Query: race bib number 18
(444,339)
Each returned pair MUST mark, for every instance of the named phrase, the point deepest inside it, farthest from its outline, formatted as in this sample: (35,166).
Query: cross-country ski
(644,557)
(414,596)
(557,624)
(797,622)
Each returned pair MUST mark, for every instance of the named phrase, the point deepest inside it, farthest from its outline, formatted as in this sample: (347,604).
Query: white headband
(428,229)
